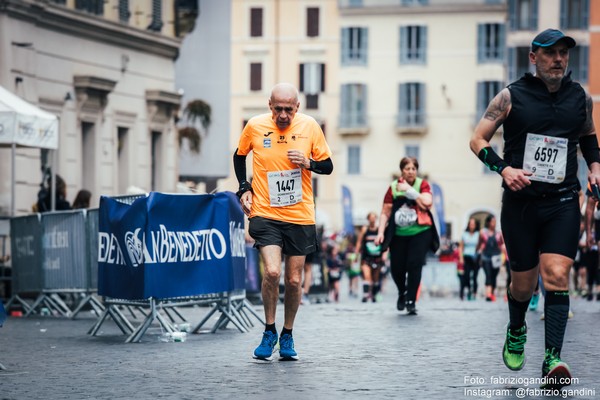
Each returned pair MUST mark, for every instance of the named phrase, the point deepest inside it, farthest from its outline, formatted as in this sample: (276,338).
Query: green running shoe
(513,353)
(555,373)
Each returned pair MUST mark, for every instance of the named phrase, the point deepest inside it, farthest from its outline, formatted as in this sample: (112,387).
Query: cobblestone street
(350,350)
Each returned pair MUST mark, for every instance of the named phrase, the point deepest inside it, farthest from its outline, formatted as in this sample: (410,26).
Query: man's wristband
(488,156)
(245,186)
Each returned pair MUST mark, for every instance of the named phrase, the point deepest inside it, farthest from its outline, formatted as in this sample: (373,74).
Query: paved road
(350,350)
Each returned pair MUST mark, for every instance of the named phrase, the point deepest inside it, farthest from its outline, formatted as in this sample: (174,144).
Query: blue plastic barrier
(171,249)
(169,245)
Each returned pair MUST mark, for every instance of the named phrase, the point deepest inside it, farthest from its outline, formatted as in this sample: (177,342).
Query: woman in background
(82,200)
(467,256)
(491,247)
(371,258)
(406,207)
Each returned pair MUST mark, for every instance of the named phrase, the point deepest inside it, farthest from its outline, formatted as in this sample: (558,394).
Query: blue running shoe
(286,348)
(265,349)
(533,303)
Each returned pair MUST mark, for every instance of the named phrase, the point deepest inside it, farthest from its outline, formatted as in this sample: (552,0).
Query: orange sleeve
(245,143)
(320,149)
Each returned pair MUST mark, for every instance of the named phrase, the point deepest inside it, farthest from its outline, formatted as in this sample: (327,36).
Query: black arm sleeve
(589,148)
(239,165)
(324,167)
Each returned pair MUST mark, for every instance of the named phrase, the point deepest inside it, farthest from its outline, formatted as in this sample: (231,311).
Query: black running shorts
(294,240)
(537,226)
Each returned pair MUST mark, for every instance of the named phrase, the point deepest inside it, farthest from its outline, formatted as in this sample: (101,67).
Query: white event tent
(24,124)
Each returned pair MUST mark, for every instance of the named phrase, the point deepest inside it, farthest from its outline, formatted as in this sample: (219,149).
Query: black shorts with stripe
(544,225)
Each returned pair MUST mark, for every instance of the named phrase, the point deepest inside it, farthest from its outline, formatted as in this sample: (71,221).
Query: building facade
(106,69)
(417,75)
(415,78)
(384,78)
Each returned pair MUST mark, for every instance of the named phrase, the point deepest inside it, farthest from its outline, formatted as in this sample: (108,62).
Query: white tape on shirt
(412,194)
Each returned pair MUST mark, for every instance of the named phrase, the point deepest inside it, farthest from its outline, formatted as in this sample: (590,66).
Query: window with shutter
(354,46)
(312,22)
(255,76)
(353,160)
(124,13)
(91,6)
(518,62)
(312,101)
(353,103)
(412,150)
(256,23)
(490,42)
(156,24)
(411,112)
(486,91)
(574,14)
(523,14)
(523,64)
(578,63)
(312,82)
(413,44)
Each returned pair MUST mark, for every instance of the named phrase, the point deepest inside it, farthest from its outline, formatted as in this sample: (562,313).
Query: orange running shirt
(282,190)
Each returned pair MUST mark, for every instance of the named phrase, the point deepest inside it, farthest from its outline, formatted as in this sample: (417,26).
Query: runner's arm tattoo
(588,126)
(498,108)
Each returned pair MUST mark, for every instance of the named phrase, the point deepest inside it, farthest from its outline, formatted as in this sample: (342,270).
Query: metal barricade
(5,264)
(50,258)
(26,250)
(128,198)
(439,278)
(64,251)
(26,253)
(54,257)
(91,258)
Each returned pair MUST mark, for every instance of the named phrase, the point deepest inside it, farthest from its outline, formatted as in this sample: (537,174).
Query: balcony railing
(413,3)
(353,124)
(409,121)
(353,120)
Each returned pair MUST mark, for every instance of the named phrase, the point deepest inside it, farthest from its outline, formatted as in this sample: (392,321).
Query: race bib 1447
(285,187)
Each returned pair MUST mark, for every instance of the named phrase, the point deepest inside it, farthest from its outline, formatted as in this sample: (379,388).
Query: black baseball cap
(550,37)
